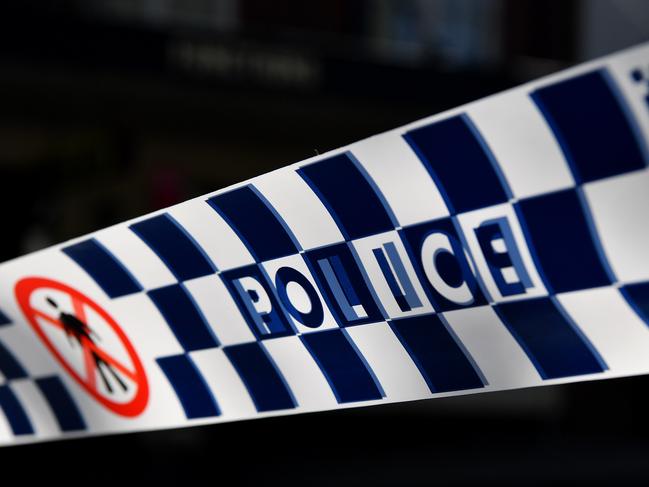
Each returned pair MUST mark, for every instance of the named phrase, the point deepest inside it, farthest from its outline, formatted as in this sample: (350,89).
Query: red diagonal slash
(88,346)
(109,359)
(79,309)
(130,369)
(89,362)
(51,320)
(90,366)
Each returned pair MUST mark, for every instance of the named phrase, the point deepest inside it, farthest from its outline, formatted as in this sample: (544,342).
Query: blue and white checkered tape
(502,244)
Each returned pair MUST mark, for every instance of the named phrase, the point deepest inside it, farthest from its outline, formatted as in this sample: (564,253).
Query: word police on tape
(502,244)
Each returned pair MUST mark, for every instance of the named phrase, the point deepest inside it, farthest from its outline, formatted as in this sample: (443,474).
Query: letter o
(315,316)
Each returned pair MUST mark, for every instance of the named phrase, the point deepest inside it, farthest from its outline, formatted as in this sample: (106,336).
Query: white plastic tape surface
(499,245)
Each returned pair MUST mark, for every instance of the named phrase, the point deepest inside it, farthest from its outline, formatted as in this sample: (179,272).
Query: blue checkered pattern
(33,404)
(372,319)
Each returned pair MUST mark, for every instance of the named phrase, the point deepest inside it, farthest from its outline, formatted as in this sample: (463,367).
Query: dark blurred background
(112,109)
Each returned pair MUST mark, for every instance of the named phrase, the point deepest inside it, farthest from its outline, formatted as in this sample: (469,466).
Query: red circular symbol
(87,342)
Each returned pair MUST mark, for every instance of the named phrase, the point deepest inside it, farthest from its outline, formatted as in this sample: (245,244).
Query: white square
(226,385)
(220,310)
(522,143)
(211,232)
(391,364)
(136,256)
(302,374)
(145,326)
(401,177)
(497,354)
(301,209)
(620,207)
(364,249)
(614,329)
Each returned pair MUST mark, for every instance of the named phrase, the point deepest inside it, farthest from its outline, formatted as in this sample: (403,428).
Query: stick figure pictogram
(87,342)
(78,331)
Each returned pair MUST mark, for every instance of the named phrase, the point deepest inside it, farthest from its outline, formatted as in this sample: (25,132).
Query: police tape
(499,245)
